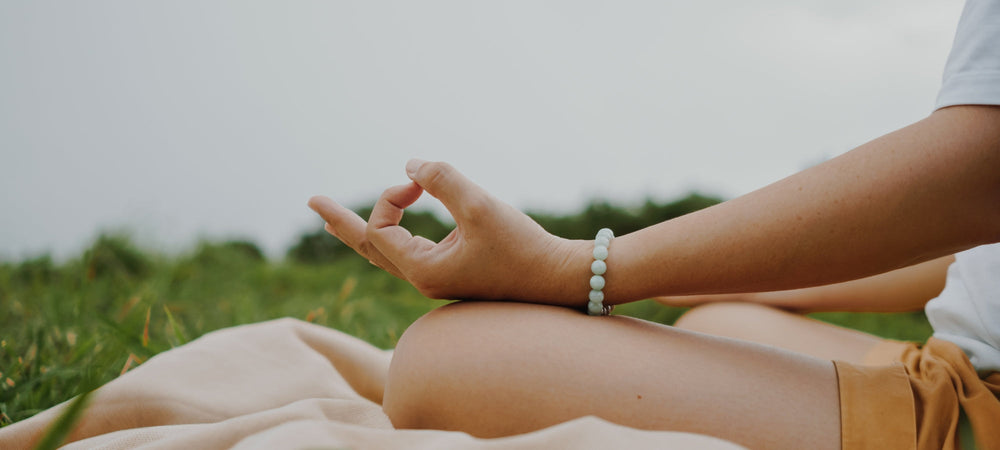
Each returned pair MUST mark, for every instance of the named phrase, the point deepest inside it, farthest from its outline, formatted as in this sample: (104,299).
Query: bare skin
(492,369)
(782,329)
(448,358)
(919,193)
(906,289)
(772,318)
(496,369)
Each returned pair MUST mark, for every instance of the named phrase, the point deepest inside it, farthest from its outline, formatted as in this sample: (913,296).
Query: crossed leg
(496,369)
(783,329)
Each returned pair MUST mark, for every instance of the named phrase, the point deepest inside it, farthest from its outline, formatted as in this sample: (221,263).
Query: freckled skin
(919,193)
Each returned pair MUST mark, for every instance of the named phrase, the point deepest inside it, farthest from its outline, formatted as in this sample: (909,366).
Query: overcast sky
(215,119)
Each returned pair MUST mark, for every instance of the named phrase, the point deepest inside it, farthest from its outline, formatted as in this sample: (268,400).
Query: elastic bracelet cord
(596,307)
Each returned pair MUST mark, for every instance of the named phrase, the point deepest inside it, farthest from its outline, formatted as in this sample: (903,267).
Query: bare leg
(772,326)
(496,369)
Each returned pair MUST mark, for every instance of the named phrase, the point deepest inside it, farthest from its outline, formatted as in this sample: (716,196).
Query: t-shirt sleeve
(972,73)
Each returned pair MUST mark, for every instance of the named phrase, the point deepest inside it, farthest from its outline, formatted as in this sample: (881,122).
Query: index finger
(350,229)
(395,242)
(347,225)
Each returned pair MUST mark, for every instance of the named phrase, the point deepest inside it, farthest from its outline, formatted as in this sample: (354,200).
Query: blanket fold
(286,384)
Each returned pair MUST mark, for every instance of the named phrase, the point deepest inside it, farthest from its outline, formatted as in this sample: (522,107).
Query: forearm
(925,191)
(906,289)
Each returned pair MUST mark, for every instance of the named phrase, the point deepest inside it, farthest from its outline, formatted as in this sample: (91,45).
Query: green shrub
(114,255)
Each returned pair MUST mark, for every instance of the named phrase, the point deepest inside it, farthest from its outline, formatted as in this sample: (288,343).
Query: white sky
(216,119)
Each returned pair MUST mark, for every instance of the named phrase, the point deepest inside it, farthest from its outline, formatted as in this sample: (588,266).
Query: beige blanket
(287,384)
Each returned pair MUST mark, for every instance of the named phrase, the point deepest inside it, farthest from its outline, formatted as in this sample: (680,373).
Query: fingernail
(412,166)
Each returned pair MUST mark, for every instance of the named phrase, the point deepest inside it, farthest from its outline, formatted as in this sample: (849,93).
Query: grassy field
(65,328)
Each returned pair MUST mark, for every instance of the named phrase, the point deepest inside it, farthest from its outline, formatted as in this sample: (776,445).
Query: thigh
(772,326)
(495,369)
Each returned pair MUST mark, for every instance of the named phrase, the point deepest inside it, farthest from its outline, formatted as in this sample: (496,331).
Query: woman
(903,202)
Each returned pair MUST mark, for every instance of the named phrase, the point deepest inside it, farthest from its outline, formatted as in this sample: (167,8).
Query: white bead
(601,242)
(600,253)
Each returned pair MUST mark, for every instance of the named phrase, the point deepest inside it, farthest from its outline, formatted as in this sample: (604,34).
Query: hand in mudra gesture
(494,252)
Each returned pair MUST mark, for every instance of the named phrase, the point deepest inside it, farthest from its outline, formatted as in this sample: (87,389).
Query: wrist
(569,272)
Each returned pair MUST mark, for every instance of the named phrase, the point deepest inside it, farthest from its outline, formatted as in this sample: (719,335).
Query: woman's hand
(494,252)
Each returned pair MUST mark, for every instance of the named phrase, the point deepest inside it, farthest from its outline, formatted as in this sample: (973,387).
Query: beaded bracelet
(596,305)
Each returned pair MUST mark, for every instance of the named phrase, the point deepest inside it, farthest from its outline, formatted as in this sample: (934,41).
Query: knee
(433,361)
(455,368)
(409,371)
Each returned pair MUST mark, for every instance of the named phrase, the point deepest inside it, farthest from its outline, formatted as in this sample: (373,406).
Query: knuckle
(384,203)
(477,206)
(372,231)
(366,248)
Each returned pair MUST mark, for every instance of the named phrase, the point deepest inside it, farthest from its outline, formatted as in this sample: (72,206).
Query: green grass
(65,328)
(61,326)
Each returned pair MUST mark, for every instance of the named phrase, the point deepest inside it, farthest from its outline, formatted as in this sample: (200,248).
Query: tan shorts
(907,396)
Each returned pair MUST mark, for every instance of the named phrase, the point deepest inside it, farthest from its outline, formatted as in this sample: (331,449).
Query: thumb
(446,184)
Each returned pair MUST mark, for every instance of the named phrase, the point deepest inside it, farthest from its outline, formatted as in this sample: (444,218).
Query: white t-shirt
(967,313)
(972,74)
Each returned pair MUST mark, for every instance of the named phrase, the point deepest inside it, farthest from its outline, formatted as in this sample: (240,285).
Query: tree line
(114,255)
(318,247)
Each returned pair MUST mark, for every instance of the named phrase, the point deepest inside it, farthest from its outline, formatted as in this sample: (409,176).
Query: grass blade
(181,339)
(63,425)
